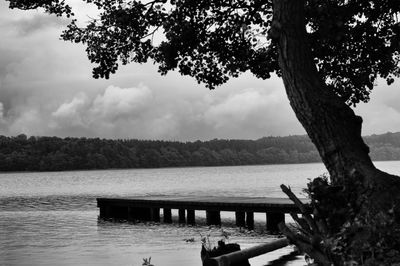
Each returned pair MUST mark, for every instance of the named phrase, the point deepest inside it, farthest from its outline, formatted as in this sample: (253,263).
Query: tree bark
(330,123)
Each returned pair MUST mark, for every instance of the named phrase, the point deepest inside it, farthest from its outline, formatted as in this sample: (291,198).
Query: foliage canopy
(353,42)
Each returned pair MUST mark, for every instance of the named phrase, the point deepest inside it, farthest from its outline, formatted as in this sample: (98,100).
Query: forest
(20,153)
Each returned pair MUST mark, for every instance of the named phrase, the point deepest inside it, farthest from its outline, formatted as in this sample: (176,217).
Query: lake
(50,218)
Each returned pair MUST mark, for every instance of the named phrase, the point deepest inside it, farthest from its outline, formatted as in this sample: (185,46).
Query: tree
(328,53)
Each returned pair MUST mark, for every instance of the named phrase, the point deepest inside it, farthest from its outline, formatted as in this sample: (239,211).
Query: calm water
(51,218)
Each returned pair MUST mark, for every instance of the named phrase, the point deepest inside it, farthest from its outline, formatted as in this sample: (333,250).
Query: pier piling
(273,219)
(167,216)
(182,218)
(213,217)
(240,219)
(155,214)
(191,217)
(250,220)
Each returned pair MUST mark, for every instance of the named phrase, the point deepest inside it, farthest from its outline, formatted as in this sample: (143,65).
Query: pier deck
(147,208)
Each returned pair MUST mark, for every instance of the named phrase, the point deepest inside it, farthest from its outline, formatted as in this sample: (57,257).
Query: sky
(46,89)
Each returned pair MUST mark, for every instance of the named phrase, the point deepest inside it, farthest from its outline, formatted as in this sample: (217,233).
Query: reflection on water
(51,218)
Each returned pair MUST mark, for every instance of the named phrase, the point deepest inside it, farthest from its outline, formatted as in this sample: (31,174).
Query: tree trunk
(331,124)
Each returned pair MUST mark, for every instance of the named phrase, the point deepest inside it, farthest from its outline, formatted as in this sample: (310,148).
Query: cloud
(37,23)
(3,125)
(71,113)
(1,111)
(164,127)
(29,122)
(237,108)
(104,114)
(382,113)
(117,103)
(147,113)
(253,113)
(382,120)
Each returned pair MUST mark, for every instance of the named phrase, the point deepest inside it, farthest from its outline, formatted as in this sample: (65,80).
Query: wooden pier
(147,208)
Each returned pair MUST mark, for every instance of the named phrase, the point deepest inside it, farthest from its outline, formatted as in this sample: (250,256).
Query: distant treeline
(54,154)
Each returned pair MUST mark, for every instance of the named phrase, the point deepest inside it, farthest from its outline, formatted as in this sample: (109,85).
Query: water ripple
(48,203)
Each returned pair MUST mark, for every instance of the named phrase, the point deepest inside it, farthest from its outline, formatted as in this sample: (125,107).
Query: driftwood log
(222,249)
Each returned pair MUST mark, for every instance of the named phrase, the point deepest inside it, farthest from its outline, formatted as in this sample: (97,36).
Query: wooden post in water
(273,219)
(191,217)
(141,214)
(105,211)
(182,218)
(119,212)
(131,216)
(250,220)
(167,216)
(146,214)
(213,217)
(155,214)
(240,218)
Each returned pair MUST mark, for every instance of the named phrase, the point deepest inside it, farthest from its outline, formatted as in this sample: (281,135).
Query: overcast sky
(46,88)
